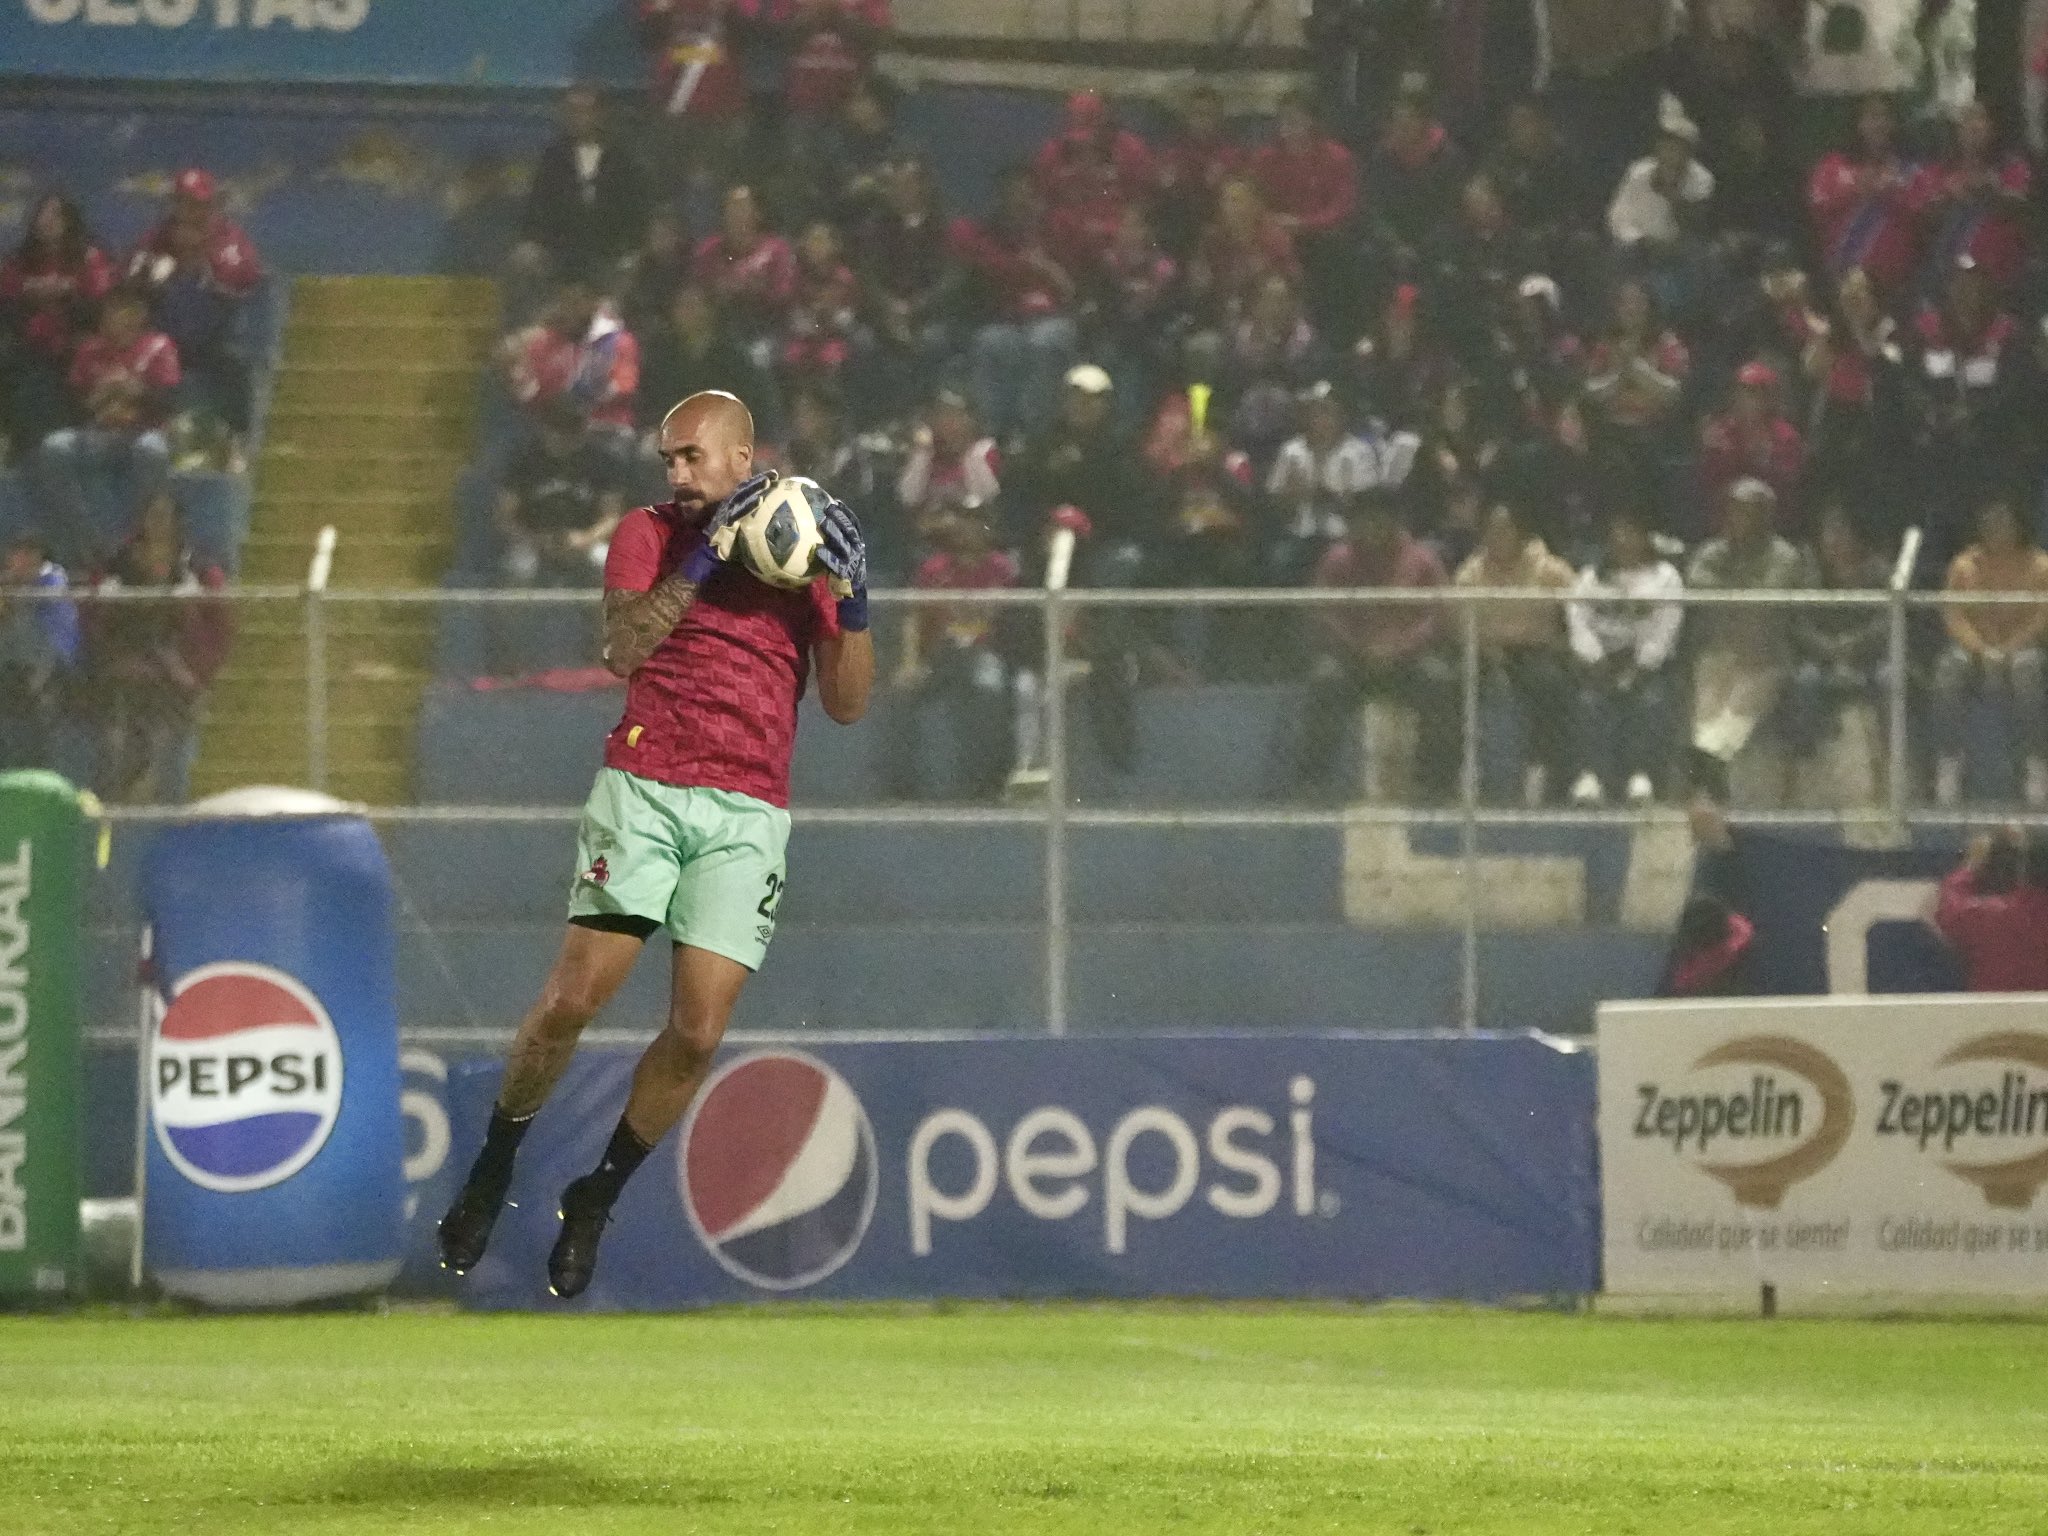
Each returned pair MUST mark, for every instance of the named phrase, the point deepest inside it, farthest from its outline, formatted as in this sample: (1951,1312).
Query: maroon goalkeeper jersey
(715,706)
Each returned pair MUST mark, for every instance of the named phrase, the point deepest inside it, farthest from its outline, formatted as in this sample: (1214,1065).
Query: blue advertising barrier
(385,42)
(1289,1166)
(274,1148)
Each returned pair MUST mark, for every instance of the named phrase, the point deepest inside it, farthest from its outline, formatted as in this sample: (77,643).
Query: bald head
(707,448)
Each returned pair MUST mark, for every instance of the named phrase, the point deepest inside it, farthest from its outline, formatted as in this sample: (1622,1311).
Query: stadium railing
(1203,773)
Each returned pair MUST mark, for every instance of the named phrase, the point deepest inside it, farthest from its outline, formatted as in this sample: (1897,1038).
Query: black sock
(622,1155)
(493,1166)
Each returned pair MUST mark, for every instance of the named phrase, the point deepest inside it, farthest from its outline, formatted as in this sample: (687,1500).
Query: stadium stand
(1468,318)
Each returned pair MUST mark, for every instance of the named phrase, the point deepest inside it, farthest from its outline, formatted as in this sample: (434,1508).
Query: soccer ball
(780,539)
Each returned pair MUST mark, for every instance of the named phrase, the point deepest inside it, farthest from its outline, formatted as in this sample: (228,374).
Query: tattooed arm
(636,622)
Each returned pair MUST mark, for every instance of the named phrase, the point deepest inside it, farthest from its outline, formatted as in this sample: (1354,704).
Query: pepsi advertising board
(275,1147)
(1162,1166)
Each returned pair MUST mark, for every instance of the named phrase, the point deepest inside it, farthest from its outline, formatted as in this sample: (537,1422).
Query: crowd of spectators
(1401,334)
(1422,326)
(112,374)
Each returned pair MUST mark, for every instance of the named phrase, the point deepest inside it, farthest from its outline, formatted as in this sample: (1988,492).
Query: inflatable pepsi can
(274,1164)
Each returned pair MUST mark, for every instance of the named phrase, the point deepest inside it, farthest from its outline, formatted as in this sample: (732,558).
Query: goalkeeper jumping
(686,827)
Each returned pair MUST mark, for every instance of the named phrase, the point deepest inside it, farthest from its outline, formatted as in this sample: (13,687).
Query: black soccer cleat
(465,1231)
(573,1259)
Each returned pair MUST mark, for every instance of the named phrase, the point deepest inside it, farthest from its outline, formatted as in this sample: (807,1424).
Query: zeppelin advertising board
(1827,1147)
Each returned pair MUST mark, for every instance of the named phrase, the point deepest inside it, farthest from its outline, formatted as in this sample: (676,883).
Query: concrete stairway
(373,419)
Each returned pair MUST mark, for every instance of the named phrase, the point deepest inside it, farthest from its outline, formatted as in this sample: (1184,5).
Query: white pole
(317,575)
(1058,567)
(145,1067)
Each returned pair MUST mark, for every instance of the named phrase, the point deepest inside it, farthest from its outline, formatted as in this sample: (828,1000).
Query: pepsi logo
(778,1171)
(245,1072)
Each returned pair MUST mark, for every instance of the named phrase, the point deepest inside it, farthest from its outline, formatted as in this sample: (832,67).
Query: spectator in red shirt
(1862,200)
(831,47)
(150,661)
(199,271)
(1752,439)
(96,478)
(950,464)
(50,292)
(823,330)
(695,49)
(954,659)
(1975,202)
(1635,375)
(1193,165)
(580,351)
(1088,175)
(750,267)
(1026,336)
(1392,651)
(1310,183)
(1243,246)
(1994,913)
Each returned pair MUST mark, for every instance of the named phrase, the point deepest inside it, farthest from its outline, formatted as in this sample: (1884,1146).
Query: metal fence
(1062,641)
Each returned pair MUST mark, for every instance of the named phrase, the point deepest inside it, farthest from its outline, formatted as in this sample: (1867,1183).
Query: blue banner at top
(357,42)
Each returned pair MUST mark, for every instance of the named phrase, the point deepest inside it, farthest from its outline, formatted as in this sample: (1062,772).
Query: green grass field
(977,1421)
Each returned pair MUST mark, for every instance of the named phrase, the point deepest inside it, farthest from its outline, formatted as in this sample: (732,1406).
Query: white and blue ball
(781,539)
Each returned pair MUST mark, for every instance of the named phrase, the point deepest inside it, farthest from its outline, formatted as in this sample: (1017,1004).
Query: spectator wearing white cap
(1745,649)
(1082,472)
(1664,195)
(1658,216)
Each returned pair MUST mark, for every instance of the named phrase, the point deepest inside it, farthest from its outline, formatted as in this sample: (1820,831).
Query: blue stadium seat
(1205,874)
(512,746)
(525,638)
(1991,750)
(462,646)
(1211,744)
(842,764)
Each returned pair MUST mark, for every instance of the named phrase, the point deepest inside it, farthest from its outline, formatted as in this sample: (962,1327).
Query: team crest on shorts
(598,873)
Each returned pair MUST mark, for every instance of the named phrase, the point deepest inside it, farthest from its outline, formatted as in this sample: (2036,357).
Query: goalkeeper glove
(703,562)
(845,558)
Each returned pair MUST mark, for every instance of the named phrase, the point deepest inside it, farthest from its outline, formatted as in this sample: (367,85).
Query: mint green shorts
(705,864)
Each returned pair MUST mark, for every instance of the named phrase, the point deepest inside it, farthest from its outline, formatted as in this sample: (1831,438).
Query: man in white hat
(1662,196)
